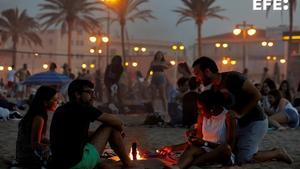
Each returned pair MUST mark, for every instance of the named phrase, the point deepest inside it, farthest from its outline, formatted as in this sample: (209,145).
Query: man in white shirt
(11,80)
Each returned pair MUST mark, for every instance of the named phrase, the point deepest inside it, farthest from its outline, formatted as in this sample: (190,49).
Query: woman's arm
(282,103)
(37,132)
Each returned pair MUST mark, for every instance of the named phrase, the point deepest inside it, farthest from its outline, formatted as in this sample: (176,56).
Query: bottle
(134,150)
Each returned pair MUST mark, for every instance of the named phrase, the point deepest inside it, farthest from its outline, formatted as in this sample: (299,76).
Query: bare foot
(284,156)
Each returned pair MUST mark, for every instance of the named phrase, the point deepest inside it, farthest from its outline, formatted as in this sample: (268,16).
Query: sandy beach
(152,137)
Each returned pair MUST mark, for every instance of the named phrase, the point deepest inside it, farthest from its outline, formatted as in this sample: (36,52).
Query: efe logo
(276,5)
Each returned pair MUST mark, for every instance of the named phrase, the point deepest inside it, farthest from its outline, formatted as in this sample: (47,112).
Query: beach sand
(150,138)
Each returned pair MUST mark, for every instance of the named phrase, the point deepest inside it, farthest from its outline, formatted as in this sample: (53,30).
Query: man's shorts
(90,158)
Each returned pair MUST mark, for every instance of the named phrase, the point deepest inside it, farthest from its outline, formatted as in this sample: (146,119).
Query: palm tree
(199,11)
(71,15)
(292,9)
(128,10)
(18,26)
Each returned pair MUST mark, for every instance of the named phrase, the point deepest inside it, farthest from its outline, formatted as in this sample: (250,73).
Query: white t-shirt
(11,75)
(214,128)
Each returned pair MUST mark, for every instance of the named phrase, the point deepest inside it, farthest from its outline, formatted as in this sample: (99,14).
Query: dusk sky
(164,28)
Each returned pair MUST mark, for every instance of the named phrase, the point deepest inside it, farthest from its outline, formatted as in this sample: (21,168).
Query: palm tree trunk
(123,41)
(70,29)
(14,54)
(199,28)
(291,23)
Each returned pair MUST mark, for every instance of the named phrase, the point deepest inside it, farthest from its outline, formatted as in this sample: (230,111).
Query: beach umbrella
(47,78)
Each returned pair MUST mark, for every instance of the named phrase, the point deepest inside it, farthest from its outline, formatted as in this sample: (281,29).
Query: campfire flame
(138,155)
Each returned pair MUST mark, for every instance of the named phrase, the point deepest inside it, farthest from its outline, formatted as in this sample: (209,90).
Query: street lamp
(138,49)
(45,66)
(245,29)
(176,47)
(99,39)
(283,61)
(108,4)
(83,66)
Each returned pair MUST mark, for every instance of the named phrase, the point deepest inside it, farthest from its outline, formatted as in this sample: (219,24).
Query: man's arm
(111,120)
(253,96)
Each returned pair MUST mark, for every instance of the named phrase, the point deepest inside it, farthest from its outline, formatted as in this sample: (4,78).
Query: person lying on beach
(72,146)
(214,137)
(282,113)
(32,147)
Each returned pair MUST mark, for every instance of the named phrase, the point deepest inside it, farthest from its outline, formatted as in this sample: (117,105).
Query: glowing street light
(270,44)
(45,66)
(105,39)
(134,64)
(217,45)
(181,47)
(92,50)
(251,31)
(83,66)
(151,72)
(93,39)
(173,62)
(268,57)
(1,68)
(136,49)
(92,66)
(225,45)
(274,58)
(9,68)
(244,29)
(143,49)
(174,47)
(264,43)
(126,64)
(36,54)
(225,61)
(237,31)
(99,51)
(283,61)
(233,62)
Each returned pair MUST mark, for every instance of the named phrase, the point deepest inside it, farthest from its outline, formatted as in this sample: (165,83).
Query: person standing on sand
(72,145)
(252,122)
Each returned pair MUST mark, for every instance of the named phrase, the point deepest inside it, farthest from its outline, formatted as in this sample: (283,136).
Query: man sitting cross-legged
(71,145)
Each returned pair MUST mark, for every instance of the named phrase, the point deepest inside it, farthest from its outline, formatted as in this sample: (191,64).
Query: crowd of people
(225,114)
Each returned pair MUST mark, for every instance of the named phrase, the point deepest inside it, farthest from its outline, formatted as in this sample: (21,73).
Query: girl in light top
(214,138)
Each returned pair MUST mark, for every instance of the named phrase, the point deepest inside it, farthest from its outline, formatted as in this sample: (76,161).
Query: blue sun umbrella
(47,78)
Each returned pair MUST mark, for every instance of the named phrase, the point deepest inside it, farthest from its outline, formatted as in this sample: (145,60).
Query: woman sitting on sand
(32,146)
(214,137)
(282,112)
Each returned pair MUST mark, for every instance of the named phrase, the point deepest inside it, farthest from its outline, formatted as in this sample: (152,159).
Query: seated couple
(71,144)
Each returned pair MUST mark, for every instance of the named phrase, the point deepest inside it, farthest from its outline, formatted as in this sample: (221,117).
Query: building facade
(265,49)
(54,49)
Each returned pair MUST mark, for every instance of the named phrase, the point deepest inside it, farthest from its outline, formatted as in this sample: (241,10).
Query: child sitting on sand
(214,137)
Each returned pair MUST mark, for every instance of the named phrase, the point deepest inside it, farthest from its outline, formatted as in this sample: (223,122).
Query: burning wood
(135,153)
